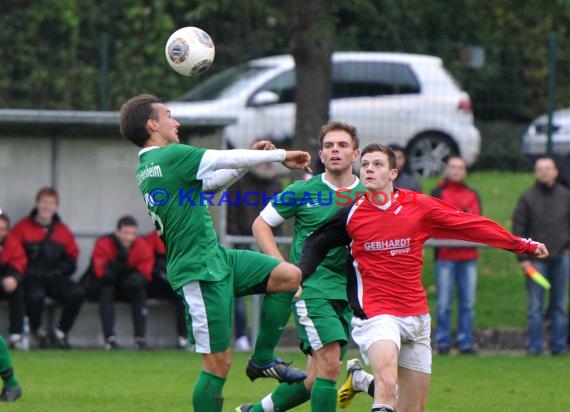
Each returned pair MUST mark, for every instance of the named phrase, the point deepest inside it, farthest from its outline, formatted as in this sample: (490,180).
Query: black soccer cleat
(10,394)
(277,369)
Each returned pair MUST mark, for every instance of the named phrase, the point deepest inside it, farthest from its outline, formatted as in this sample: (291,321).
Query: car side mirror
(264,98)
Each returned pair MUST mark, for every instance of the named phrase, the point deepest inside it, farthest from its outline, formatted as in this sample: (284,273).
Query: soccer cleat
(10,394)
(277,369)
(346,392)
(244,407)
(111,343)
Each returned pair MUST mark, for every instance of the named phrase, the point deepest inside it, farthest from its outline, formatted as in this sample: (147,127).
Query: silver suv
(398,98)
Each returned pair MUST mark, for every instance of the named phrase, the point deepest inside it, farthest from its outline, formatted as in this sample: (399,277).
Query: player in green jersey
(173,179)
(322,313)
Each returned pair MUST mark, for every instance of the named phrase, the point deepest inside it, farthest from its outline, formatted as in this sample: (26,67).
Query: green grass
(163,381)
(501,294)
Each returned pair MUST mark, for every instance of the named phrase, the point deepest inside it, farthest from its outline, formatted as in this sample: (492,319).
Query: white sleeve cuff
(235,159)
(271,216)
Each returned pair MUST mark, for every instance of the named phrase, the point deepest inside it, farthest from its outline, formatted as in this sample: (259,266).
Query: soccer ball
(189,51)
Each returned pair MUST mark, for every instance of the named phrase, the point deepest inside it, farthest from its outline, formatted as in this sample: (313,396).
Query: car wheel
(428,153)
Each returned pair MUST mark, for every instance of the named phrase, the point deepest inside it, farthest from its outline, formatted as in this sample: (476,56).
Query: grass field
(126,381)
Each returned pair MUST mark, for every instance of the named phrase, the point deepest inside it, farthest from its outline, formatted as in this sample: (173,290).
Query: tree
(312,44)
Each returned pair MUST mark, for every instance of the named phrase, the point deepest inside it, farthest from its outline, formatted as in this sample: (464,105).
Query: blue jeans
(557,271)
(464,275)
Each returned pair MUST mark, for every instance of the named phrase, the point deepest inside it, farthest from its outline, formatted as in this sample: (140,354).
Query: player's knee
(294,277)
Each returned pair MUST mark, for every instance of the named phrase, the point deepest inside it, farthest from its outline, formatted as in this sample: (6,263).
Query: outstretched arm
(223,178)
(332,234)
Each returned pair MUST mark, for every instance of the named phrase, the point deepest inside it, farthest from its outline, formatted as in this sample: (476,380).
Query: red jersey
(466,199)
(140,256)
(13,258)
(386,248)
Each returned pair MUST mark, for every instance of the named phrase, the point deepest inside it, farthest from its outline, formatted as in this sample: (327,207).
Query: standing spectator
(159,288)
(13,262)
(240,216)
(456,266)
(405,180)
(52,256)
(123,261)
(543,212)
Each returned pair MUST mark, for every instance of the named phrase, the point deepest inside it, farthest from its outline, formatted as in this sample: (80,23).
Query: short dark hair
(5,218)
(336,125)
(397,148)
(375,147)
(134,115)
(126,221)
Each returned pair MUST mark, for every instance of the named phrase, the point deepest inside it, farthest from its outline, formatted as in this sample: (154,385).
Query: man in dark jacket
(543,212)
(52,256)
(123,261)
(13,262)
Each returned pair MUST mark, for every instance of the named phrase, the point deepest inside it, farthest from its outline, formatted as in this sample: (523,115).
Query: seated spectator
(52,256)
(159,288)
(405,179)
(123,261)
(13,262)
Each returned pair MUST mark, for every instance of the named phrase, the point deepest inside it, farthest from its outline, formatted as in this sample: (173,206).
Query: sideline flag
(535,275)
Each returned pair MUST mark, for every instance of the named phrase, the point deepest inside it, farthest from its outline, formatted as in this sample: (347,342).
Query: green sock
(207,394)
(275,312)
(6,370)
(286,397)
(323,395)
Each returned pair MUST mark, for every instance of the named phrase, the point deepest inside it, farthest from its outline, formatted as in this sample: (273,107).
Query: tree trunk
(312,43)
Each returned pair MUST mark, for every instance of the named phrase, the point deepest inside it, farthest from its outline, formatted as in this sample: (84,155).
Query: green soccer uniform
(204,273)
(313,202)
(322,314)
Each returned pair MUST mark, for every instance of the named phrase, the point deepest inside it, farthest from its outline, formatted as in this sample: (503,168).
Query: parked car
(535,140)
(401,98)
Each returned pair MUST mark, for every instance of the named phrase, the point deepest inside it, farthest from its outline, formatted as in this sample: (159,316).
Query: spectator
(13,262)
(543,212)
(123,261)
(405,180)
(52,256)
(456,266)
(159,288)
(260,179)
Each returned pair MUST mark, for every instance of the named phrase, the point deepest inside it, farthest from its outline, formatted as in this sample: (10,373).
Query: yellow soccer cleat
(346,392)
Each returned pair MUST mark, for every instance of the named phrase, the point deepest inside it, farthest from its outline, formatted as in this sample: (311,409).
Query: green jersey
(312,203)
(167,179)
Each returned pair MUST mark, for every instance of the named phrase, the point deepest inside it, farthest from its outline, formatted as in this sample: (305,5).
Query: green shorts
(210,305)
(321,322)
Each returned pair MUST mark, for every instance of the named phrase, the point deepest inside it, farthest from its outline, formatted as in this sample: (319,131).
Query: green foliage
(52,52)
(162,381)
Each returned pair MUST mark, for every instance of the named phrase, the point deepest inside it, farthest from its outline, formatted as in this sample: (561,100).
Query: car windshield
(224,84)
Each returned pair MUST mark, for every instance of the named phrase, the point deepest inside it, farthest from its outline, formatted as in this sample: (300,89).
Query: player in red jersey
(386,230)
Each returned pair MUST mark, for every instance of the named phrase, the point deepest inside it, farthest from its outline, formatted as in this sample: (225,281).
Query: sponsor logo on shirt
(394,246)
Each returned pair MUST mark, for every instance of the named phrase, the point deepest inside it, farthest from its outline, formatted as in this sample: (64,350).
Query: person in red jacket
(159,287)
(123,261)
(455,265)
(52,256)
(13,262)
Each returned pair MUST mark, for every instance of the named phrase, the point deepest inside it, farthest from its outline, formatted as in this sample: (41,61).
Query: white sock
(267,404)
(361,380)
